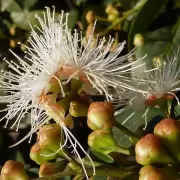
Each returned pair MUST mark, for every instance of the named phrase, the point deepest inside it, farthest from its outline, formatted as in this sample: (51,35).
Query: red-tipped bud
(49,137)
(40,155)
(150,150)
(13,170)
(152,173)
(50,168)
(168,130)
(100,115)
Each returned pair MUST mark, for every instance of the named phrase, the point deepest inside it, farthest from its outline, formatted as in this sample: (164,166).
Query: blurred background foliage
(153,26)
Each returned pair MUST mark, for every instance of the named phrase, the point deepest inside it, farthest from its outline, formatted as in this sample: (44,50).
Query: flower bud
(168,130)
(90,17)
(110,9)
(150,150)
(78,109)
(55,111)
(48,168)
(100,115)
(76,85)
(68,121)
(149,172)
(112,17)
(157,61)
(40,155)
(102,141)
(12,43)
(138,40)
(49,137)
(13,170)
(12,30)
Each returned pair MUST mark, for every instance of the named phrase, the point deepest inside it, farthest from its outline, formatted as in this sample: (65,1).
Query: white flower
(163,80)
(30,76)
(153,85)
(93,61)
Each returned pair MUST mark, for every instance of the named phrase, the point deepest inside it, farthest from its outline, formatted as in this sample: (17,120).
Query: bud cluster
(101,119)
(112,10)
(160,148)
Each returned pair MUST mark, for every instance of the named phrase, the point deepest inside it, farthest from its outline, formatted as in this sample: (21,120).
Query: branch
(104,170)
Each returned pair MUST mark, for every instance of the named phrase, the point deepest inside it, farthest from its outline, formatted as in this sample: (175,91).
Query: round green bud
(100,115)
(40,155)
(102,141)
(149,150)
(49,138)
(138,40)
(110,9)
(78,109)
(112,17)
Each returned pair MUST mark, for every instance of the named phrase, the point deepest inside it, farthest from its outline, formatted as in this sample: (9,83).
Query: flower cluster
(55,56)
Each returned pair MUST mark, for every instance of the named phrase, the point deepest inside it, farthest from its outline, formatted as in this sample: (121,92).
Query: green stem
(123,151)
(121,19)
(71,159)
(112,171)
(101,19)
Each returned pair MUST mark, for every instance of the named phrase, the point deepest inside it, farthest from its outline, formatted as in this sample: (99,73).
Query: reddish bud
(150,150)
(152,173)
(50,168)
(100,115)
(168,130)
(13,170)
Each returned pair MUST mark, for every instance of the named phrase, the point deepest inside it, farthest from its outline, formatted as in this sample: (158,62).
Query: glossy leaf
(72,19)
(10,5)
(22,19)
(102,156)
(144,19)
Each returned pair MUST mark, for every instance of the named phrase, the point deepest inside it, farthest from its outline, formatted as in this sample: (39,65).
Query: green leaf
(10,5)
(159,42)
(144,19)
(72,19)
(177,111)
(101,156)
(27,4)
(121,139)
(176,37)
(19,157)
(22,19)
(134,122)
